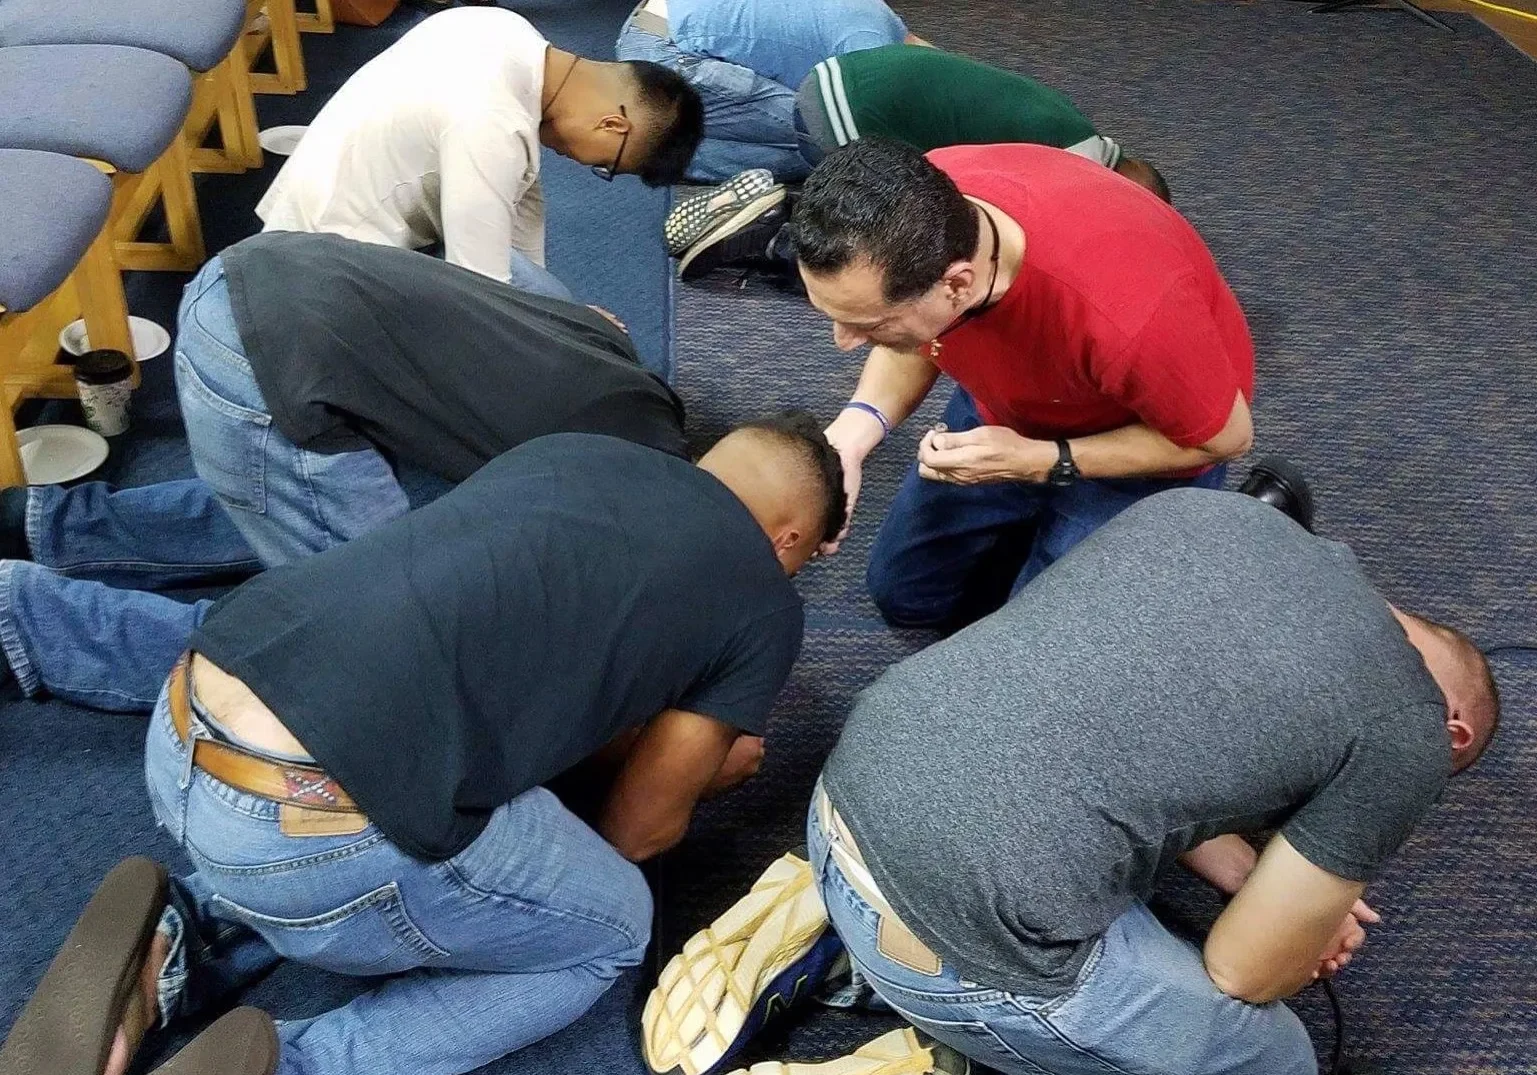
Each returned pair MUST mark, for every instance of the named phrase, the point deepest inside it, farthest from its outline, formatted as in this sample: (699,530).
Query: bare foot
(142,1011)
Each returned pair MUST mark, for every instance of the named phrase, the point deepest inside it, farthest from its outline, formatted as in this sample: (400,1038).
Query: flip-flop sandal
(693,217)
(68,1026)
(242,1042)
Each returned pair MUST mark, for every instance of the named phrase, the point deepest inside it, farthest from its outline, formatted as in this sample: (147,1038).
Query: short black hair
(802,430)
(883,200)
(663,93)
(1142,172)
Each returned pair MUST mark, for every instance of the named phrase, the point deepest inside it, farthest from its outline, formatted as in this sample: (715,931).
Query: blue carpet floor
(1364,181)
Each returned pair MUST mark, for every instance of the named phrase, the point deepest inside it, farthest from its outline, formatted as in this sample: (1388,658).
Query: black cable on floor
(1336,1063)
(1510,647)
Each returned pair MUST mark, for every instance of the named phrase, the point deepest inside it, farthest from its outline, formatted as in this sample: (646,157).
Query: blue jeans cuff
(32,528)
(16,654)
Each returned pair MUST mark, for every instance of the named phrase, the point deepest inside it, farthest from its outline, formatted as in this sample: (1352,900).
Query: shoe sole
(68,1026)
(692,217)
(897,1053)
(706,993)
(743,216)
(242,1042)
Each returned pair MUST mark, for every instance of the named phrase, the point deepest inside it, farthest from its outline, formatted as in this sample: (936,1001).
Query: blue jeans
(536,279)
(1142,1003)
(259,501)
(749,120)
(476,956)
(947,555)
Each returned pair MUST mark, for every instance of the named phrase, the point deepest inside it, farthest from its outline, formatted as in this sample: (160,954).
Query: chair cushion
(199,33)
(55,207)
(120,105)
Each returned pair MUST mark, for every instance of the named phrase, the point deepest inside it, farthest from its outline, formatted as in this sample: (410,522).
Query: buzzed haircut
(679,111)
(1477,664)
(883,200)
(800,430)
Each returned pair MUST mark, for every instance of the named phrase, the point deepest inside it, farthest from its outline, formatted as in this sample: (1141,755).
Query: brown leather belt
(284,782)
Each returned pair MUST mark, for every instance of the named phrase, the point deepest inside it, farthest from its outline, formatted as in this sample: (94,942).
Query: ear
(1461,732)
(958,279)
(787,539)
(614,123)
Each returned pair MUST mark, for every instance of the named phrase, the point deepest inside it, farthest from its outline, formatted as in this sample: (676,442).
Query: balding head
(1462,672)
(790,479)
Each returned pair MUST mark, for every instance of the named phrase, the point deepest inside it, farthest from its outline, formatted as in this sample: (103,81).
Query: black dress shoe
(1282,486)
(747,242)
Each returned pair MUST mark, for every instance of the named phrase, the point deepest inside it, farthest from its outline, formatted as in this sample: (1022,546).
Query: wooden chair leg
(281,35)
(244,132)
(99,296)
(11,472)
(319,21)
(168,181)
(180,200)
(222,97)
(287,49)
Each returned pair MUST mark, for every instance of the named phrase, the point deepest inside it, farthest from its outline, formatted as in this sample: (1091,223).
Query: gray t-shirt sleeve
(1393,773)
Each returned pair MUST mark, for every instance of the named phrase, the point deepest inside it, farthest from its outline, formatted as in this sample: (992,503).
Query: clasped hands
(983,455)
(977,456)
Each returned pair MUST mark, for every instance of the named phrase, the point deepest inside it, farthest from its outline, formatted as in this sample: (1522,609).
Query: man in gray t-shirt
(1200,670)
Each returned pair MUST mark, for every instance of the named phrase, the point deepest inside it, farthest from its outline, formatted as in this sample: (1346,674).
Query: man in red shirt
(1100,356)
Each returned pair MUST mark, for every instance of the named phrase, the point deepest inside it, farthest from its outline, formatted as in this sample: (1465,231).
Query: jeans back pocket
(228,441)
(370,935)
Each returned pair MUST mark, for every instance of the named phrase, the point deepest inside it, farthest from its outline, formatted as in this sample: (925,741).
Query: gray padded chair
(54,209)
(123,106)
(201,34)
(55,264)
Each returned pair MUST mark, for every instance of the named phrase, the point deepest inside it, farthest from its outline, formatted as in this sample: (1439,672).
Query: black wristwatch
(1064,472)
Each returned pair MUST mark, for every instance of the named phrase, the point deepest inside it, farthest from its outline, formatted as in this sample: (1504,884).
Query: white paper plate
(149,339)
(281,140)
(53,454)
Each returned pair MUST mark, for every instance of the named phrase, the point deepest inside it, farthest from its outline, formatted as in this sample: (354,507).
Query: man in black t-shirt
(372,727)
(309,367)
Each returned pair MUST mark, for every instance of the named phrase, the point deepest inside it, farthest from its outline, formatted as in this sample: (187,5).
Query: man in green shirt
(932,99)
(916,94)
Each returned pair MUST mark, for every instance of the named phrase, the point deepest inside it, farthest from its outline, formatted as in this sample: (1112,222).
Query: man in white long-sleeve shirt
(437,140)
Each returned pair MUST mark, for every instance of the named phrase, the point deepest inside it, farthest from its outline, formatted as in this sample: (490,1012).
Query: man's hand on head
(984,455)
(854,434)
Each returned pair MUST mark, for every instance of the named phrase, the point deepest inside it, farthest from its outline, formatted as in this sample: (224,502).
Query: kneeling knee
(897,602)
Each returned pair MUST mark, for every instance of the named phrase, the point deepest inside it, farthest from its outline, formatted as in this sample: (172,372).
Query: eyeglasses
(607,174)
